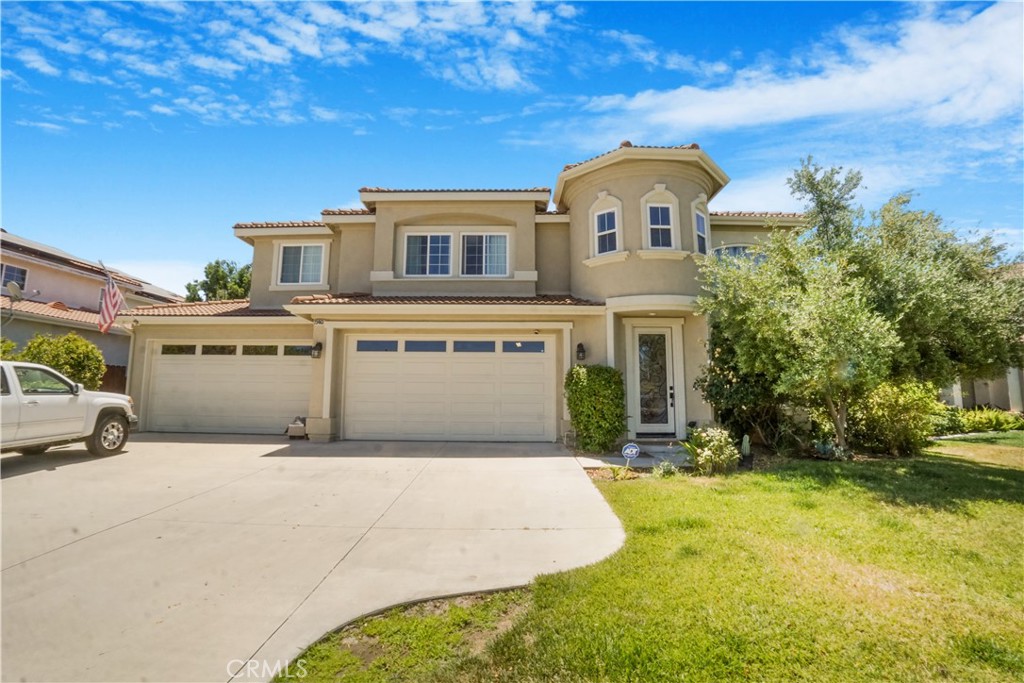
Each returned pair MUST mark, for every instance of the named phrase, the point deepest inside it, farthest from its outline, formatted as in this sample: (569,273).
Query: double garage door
(243,388)
(454,389)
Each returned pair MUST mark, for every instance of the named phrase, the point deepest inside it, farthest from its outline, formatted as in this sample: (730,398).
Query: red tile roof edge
(757,214)
(626,144)
(226,308)
(54,309)
(389,189)
(282,224)
(348,212)
(366,299)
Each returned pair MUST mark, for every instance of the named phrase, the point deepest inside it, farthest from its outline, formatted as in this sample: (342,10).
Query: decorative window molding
(484,254)
(666,254)
(428,254)
(701,226)
(614,257)
(301,265)
(606,226)
(660,219)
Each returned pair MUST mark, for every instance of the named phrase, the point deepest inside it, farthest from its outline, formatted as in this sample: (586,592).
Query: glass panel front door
(654,382)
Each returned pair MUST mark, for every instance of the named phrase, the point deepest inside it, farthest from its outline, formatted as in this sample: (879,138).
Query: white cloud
(938,69)
(80,76)
(161,109)
(253,47)
(324,114)
(219,67)
(31,58)
(127,39)
(43,125)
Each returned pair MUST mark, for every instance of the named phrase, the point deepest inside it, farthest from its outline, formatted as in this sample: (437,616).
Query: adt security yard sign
(630,451)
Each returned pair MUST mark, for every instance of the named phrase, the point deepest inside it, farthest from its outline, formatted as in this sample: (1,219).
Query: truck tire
(33,450)
(110,436)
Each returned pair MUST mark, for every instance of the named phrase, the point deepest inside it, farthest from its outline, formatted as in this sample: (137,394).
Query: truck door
(9,409)
(49,407)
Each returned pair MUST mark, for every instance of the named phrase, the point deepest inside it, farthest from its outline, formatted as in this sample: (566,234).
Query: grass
(996,448)
(883,570)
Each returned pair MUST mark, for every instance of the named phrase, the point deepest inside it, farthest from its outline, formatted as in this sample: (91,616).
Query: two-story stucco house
(455,314)
(59,293)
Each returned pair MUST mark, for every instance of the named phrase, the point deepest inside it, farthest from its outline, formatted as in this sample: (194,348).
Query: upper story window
(607,232)
(428,255)
(485,254)
(301,264)
(738,251)
(14,274)
(659,225)
(700,231)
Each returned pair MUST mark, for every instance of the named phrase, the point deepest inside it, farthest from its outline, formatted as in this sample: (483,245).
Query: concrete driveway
(219,558)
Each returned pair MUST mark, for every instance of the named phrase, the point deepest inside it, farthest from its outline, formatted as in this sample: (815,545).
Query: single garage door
(455,389)
(243,388)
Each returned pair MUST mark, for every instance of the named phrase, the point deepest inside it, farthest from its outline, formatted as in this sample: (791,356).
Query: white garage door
(455,389)
(243,388)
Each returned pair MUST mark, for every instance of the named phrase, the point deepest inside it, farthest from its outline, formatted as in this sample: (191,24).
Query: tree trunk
(838,415)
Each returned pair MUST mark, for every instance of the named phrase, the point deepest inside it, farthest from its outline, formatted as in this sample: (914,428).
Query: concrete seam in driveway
(331,570)
(134,519)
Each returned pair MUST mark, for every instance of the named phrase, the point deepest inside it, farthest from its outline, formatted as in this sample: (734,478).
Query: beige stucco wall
(553,264)
(629,181)
(355,254)
(695,334)
(724,235)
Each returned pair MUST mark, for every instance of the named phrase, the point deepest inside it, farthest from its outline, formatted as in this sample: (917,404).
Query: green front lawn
(909,570)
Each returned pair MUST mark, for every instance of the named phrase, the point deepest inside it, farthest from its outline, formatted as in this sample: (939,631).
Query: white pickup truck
(39,408)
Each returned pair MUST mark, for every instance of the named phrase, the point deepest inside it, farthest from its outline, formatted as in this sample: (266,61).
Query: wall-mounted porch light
(317,350)
(581,352)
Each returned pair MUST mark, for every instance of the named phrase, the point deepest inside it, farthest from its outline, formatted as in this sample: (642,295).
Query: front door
(653,381)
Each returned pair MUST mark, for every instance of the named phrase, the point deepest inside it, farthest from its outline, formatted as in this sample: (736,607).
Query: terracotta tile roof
(282,224)
(219,309)
(348,212)
(366,299)
(627,143)
(757,214)
(389,189)
(54,309)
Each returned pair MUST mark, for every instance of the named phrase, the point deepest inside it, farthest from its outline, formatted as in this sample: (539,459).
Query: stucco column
(319,425)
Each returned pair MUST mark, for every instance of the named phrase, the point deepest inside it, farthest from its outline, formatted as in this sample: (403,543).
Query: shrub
(665,469)
(596,397)
(712,451)
(71,355)
(7,348)
(895,418)
(950,420)
(990,420)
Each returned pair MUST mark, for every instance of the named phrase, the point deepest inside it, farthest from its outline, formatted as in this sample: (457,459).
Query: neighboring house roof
(219,309)
(55,311)
(369,299)
(44,252)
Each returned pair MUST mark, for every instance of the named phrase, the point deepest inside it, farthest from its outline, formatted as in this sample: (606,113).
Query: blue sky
(139,133)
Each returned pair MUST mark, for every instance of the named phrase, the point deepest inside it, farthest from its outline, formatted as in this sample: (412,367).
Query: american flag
(111,303)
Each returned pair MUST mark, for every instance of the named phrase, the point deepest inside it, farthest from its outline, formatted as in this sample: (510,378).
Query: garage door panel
(230,393)
(449,394)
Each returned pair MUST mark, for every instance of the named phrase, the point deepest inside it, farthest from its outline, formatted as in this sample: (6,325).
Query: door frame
(677,377)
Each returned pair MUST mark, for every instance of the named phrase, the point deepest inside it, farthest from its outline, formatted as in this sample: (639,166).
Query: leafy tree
(223,280)
(803,322)
(7,348)
(71,355)
(830,314)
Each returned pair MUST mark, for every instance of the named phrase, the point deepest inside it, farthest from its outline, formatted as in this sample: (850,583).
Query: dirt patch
(620,474)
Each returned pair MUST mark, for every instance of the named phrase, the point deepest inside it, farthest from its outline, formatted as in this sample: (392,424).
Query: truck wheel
(110,436)
(33,450)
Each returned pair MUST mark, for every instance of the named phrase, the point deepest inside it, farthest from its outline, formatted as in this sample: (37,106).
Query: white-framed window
(606,232)
(301,264)
(14,274)
(659,226)
(485,254)
(700,231)
(428,254)
(738,251)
